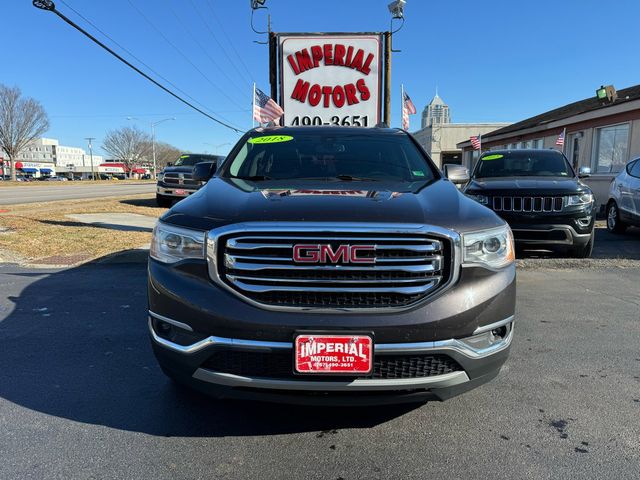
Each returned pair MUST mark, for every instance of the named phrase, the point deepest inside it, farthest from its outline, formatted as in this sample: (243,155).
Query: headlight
(581,199)
(171,244)
(491,248)
(481,199)
(160,177)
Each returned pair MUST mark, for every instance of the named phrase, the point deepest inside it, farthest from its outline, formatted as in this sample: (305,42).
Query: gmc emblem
(326,254)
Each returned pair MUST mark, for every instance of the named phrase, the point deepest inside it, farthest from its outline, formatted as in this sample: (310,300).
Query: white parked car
(623,207)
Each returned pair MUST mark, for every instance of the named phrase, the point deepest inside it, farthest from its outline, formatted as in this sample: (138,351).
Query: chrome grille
(176,178)
(406,267)
(527,204)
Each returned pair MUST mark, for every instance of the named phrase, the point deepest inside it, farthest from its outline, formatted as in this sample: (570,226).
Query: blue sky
(496,60)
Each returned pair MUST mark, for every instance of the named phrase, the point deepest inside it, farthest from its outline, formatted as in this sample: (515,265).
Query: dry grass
(41,233)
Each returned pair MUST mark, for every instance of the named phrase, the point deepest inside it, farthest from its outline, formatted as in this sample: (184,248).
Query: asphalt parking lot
(81,395)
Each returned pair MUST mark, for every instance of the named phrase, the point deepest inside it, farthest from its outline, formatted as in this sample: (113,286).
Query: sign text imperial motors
(330,79)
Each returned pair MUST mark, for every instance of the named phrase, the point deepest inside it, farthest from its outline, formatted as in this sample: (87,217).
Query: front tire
(614,224)
(163,202)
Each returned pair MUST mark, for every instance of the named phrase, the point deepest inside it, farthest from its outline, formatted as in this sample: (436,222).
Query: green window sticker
(492,157)
(270,139)
(418,173)
(184,156)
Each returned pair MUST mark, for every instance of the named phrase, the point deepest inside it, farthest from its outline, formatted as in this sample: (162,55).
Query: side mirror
(584,172)
(203,171)
(169,164)
(457,174)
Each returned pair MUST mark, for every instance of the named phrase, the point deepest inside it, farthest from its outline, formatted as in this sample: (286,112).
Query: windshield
(352,157)
(524,163)
(190,160)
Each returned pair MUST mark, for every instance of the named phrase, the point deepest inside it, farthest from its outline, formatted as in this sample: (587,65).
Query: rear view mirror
(584,172)
(456,173)
(203,171)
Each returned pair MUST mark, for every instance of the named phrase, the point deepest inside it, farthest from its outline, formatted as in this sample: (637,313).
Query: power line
(140,61)
(182,54)
(124,115)
(244,65)
(50,6)
(247,80)
(195,40)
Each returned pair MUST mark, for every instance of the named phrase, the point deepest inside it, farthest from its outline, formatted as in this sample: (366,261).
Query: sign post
(332,78)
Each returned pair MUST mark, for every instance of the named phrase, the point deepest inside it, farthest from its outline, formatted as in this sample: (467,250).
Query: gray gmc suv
(331,265)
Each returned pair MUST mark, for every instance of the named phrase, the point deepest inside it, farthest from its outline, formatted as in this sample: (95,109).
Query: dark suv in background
(541,197)
(176,180)
(331,265)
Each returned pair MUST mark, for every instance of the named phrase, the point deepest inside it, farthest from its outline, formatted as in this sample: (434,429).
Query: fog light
(163,328)
(499,333)
(584,222)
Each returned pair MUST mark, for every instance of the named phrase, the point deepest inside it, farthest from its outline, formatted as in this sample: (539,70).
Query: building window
(611,148)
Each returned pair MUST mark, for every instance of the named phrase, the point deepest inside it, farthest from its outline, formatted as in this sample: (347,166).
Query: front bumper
(552,230)
(178,191)
(213,320)
(480,363)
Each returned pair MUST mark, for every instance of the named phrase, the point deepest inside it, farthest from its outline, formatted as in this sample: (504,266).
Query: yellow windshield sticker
(184,156)
(492,157)
(270,139)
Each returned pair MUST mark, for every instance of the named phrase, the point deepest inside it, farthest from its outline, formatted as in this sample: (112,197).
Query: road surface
(43,193)
(81,395)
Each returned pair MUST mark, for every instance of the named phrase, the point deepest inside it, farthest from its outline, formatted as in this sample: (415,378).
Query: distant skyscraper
(437,112)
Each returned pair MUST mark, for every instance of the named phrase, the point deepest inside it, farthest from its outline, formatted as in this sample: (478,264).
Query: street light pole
(153,149)
(221,145)
(89,139)
(153,141)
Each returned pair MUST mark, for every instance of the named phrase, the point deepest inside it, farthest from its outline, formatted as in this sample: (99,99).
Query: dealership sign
(331,79)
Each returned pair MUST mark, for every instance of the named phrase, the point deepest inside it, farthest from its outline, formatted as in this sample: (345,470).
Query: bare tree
(22,120)
(165,153)
(129,145)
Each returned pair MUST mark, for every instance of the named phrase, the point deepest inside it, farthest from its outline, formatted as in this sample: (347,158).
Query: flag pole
(253,106)
(564,140)
(401,105)
(480,149)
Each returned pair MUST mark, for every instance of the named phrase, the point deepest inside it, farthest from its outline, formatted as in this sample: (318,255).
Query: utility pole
(89,139)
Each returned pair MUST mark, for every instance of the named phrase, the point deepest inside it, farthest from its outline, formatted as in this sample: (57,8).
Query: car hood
(527,186)
(185,169)
(226,201)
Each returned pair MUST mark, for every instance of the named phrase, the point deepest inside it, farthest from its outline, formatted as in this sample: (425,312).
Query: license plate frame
(304,367)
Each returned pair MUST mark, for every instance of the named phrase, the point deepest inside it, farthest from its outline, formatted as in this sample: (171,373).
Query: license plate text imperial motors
(333,354)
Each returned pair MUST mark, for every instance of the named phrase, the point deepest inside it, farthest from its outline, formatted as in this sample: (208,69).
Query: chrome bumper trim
(163,191)
(216,341)
(492,326)
(173,322)
(360,384)
(455,345)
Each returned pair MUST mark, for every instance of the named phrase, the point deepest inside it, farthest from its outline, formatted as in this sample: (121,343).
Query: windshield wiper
(351,178)
(255,178)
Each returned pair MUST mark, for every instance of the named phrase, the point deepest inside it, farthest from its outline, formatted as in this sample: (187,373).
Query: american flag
(560,140)
(476,142)
(408,108)
(265,110)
